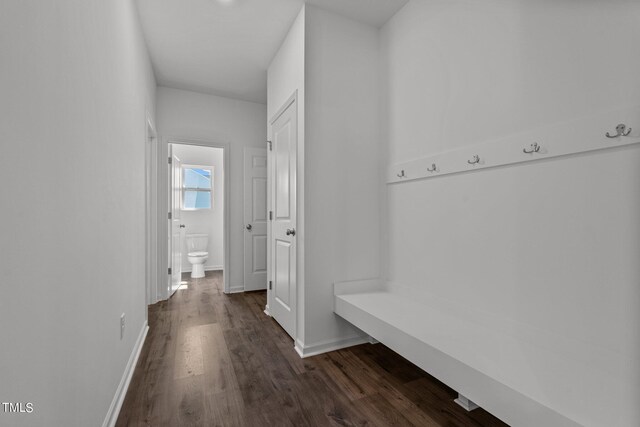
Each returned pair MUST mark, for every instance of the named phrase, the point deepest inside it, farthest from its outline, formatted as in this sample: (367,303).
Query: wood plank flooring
(212,359)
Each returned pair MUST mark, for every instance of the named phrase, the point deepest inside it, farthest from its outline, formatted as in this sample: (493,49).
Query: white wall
(195,116)
(551,246)
(338,225)
(205,221)
(76,84)
(285,77)
(286,70)
(342,179)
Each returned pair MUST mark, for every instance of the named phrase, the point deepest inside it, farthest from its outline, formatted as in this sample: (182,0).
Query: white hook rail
(567,138)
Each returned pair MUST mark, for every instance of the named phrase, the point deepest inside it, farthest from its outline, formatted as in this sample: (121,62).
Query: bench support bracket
(466,403)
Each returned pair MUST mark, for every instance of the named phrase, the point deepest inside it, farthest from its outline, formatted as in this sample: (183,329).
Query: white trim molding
(235,290)
(206,268)
(121,391)
(151,206)
(329,345)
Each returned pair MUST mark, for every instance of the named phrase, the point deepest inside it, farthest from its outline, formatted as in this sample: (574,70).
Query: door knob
(182,226)
(249,227)
(291,231)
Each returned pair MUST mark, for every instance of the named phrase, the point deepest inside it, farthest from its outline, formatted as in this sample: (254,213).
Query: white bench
(472,353)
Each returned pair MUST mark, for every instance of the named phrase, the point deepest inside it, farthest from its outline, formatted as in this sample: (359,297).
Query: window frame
(184,189)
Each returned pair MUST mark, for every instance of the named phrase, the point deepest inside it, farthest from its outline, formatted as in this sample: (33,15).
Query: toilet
(197,253)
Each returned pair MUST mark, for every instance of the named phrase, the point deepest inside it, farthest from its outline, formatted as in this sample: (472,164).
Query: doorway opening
(197,202)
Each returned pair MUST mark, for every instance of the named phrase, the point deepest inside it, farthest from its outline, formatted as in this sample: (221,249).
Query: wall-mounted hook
(534,148)
(476,159)
(432,168)
(401,174)
(620,131)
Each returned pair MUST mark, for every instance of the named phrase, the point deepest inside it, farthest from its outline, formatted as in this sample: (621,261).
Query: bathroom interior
(201,205)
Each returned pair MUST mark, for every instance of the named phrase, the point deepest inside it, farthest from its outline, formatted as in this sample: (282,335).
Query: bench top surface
(520,357)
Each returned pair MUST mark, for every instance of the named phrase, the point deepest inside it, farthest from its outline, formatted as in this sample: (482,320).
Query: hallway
(213,359)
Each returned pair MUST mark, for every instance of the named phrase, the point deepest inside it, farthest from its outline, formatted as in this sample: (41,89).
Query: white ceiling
(372,12)
(223,47)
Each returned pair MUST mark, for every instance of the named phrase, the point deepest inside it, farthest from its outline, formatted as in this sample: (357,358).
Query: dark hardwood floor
(212,359)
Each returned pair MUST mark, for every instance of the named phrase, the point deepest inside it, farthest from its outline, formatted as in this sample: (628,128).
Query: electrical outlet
(122,323)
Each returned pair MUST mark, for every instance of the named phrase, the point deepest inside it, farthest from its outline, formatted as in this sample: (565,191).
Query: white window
(197,188)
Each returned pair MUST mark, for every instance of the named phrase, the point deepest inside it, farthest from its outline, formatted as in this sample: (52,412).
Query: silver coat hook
(620,131)
(432,168)
(401,174)
(534,148)
(476,159)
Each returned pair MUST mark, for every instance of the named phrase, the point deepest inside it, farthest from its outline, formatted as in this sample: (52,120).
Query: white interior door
(175,225)
(255,219)
(282,293)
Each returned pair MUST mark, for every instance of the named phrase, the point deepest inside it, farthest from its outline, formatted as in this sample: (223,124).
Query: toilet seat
(198,254)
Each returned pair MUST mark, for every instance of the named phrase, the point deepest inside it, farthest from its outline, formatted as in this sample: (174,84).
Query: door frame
(293,99)
(151,200)
(163,204)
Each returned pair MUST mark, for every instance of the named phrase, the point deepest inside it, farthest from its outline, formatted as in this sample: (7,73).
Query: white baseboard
(118,399)
(327,346)
(235,290)
(206,268)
